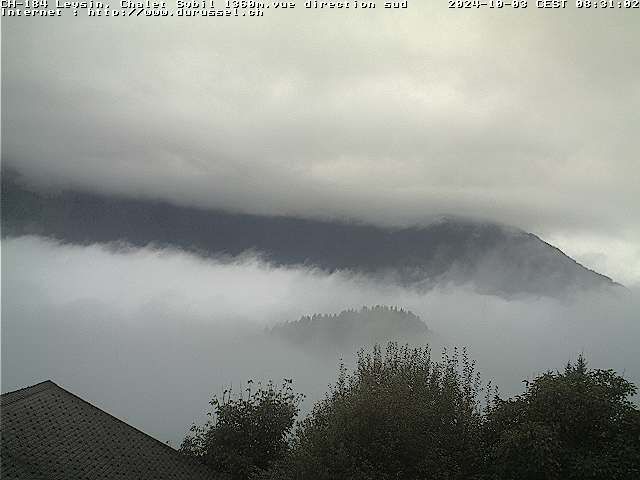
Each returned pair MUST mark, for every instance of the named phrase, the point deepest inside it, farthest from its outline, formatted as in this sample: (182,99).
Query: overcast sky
(526,117)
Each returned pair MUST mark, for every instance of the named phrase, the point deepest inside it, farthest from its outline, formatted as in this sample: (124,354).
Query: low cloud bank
(150,334)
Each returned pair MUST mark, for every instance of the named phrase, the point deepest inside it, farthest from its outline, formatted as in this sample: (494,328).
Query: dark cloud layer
(526,117)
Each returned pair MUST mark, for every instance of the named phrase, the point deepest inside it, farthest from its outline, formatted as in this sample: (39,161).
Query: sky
(526,117)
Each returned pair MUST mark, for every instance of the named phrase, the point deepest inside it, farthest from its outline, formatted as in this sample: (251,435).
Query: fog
(150,334)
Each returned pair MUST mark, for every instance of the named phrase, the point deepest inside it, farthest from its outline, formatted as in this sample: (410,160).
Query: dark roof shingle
(49,433)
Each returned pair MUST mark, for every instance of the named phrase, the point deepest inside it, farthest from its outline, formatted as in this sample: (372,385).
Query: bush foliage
(578,424)
(401,415)
(247,433)
(398,415)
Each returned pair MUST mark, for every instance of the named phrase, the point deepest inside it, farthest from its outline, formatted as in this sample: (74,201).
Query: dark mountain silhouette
(494,258)
(353,328)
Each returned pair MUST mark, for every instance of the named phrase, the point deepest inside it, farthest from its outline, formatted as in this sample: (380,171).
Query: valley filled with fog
(190,207)
(151,334)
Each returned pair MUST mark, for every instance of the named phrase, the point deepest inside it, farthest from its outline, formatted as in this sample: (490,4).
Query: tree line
(399,414)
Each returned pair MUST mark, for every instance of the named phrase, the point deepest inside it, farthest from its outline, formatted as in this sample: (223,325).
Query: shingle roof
(49,433)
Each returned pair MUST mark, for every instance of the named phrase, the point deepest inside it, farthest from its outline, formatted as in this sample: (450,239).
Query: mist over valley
(128,326)
(236,216)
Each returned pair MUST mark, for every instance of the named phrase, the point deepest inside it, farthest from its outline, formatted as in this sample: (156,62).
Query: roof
(49,433)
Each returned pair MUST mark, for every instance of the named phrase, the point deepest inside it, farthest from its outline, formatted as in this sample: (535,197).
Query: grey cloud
(525,117)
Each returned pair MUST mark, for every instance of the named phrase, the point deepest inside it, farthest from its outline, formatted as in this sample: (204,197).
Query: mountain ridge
(496,259)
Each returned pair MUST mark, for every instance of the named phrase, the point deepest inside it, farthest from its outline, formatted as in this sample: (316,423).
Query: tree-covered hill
(350,329)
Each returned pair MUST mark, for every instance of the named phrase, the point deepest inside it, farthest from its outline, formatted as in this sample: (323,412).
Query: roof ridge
(78,431)
(22,393)
(175,451)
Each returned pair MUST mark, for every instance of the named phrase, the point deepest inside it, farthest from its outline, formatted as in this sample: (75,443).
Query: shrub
(397,415)
(578,424)
(247,433)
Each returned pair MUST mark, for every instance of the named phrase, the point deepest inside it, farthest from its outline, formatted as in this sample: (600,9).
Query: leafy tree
(247,434)
(578,424)
(397,415)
